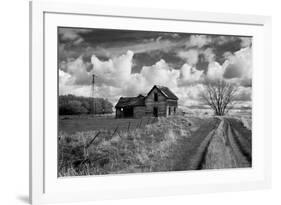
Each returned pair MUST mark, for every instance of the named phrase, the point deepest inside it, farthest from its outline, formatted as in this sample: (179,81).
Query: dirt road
(220,143)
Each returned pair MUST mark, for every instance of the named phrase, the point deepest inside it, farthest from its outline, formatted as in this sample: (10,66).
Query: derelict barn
(160,101)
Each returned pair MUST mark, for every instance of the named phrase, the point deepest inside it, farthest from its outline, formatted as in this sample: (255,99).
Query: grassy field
(147,148)
(72,124)
(104,145)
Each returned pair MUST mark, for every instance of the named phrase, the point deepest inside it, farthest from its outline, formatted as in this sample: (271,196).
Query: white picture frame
(45,187)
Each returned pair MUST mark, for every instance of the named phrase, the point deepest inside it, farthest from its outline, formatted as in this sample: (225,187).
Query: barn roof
(130,101)
(165,91)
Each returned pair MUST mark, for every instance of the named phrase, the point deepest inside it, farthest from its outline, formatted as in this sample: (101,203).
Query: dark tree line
(74,105)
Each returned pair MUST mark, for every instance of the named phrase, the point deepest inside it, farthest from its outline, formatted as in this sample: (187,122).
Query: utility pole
(93,95)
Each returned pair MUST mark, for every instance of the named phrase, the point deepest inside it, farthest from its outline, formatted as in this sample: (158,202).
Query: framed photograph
(130,102)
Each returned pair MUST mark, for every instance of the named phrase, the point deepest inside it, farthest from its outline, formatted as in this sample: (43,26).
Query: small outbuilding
(159,101)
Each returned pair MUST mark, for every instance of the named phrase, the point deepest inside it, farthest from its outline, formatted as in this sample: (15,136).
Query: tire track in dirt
(243,142)
(226,148)
(219,152)
(190,151)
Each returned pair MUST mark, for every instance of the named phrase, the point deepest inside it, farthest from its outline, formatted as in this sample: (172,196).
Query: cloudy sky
(128,63)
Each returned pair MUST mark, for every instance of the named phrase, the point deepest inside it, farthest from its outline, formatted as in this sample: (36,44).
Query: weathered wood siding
(171,102)
(139,111)
(160,104)
(171,110)
(171,107)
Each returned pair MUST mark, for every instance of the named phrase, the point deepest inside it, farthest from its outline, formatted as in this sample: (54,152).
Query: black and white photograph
(132,101)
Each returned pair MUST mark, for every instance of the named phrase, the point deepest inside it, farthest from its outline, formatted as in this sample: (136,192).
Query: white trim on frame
(45,187)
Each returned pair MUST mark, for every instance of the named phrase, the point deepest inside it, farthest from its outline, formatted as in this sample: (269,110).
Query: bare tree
(219,95)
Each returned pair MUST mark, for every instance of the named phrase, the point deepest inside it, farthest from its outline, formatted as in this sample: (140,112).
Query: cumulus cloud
(236,65)
(114,72)
(67,85)
(115,77)
(64,78)
(117,72)
(215,71)
(237,68)
(191,56)
(239,64)
(198,41)
(128,63)
(189,75)
(189,95)
(200,58)
(209,55)
(78,71)
(160,73)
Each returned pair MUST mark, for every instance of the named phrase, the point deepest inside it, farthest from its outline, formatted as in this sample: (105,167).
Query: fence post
(129,126)
(114,131)
(140,123)
(88,145)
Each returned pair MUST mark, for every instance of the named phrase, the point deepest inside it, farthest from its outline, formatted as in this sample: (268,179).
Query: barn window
(155,97)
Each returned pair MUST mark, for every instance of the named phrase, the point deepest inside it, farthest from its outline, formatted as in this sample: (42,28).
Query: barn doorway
(155,112)
(128,112)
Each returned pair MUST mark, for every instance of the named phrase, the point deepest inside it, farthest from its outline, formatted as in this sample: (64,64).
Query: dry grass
(146,149)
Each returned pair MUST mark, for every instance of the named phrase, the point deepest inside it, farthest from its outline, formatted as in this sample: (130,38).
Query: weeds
(143,149)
